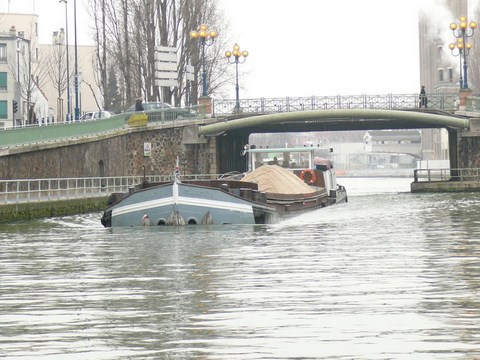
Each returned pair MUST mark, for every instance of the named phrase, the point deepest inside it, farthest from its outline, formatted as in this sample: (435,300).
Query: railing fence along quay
(38,190)
(446,102)
(459,175)
(43,133)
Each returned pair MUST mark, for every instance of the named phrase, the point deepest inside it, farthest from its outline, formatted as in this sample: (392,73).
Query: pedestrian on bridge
(423,98)
(138,104)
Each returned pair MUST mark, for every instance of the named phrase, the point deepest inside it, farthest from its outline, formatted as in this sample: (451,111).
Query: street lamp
(19,90)
(206,38)
(239,57)
(69,110)
(462,31)
(458,45)
(18,64)
(77,110)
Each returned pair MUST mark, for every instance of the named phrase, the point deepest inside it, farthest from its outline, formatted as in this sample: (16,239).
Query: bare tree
(99,12)
(32,73)
(54,61)
(127,32)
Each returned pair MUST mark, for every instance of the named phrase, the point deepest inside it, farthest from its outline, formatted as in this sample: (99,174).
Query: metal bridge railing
(473,103)
(19,136)
(460,174)
(446,102)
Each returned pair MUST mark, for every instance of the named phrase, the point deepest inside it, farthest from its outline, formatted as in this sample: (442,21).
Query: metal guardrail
(38,190)
(460,175)
(473,103)
(19,136)
(446,102)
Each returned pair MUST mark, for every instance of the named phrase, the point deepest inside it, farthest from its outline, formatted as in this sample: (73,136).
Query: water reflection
(390,275)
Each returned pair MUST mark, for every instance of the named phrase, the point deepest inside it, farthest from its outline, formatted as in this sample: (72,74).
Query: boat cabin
(298,158)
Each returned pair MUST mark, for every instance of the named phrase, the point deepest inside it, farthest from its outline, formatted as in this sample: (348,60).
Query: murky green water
(389,275)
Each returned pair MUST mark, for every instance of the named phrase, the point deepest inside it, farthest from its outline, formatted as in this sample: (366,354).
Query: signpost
(166,74)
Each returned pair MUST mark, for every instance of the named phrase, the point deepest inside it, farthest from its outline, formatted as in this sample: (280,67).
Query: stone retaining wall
(37,210)
(444,186)
(120,154)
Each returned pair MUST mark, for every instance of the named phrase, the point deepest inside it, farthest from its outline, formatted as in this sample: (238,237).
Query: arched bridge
(175,132)
(365,112)
(335,120)
(316,113)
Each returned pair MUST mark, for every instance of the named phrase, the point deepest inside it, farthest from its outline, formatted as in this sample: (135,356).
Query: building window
(3,109)
(3,52)
(450,74)
(3,81)
(440,75)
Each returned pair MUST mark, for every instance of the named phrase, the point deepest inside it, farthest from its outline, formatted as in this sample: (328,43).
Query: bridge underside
(337,125)
(232,134)
(337,120)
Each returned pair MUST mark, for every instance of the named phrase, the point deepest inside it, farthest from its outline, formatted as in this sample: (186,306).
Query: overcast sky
(311,47)
(301,47)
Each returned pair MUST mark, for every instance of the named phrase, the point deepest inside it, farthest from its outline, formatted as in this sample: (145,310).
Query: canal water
(389,275)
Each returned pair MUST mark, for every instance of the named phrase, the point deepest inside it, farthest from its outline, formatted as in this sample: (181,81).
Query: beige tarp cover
(277,180)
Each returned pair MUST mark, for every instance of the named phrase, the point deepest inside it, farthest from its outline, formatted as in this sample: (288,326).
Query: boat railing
(37,190)
(457,174)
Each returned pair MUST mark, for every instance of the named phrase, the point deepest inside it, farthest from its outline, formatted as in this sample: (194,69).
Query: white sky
(297,48)
(326,47)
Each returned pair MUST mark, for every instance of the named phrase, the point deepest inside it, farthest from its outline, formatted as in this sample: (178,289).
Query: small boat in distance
(266,194)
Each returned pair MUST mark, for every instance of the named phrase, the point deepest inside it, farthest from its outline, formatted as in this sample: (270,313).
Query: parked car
(170,112)
(151,106)
(94,115)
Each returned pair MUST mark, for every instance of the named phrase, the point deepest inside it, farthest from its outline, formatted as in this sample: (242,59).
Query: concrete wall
(468,151)
(113,155)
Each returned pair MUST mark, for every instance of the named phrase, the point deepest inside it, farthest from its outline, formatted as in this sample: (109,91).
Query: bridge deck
(224,109)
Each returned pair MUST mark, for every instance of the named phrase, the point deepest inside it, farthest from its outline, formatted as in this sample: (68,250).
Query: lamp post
(239,57)
(18,63)
(206,38)
(458,45)
(19,90)
(462,31)
(69,108)
(77,110)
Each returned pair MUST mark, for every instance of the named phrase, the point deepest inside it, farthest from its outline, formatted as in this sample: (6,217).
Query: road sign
(166,66)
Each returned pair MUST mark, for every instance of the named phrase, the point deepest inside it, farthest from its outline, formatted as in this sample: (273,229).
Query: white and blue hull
(183,204)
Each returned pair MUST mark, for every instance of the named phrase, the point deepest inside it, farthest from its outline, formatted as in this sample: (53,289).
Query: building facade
(440,68)
(34,79)
(393,141)
(19,92)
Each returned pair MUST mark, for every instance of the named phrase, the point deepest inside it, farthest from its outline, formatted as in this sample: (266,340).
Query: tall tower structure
(439,69)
